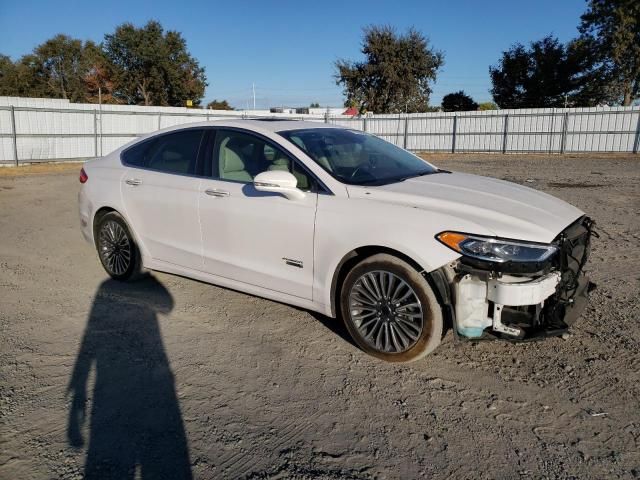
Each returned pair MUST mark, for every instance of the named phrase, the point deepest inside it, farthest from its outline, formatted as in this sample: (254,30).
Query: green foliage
(61,66)
(610,31)
(482,106)
(314,105)
(151,67)
(24,78)
(56,69)
(8,74)
(134,66)
(602,66)
(538,76)
(395,75)
(458,102)
(219,105)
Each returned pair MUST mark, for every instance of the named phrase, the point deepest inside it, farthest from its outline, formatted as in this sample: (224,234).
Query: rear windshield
(358,158)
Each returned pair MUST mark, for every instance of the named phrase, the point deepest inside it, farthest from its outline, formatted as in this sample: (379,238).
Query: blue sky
(287,48)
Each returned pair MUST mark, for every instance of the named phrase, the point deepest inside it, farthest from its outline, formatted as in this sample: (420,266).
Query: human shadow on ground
(135,423)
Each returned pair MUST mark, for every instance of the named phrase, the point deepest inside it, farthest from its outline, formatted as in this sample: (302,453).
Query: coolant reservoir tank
(472,307)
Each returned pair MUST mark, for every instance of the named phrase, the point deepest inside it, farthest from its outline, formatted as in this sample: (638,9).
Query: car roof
(284,125)
(257,125)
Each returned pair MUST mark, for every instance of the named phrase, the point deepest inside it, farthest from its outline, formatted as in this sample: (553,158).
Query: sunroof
(274,119)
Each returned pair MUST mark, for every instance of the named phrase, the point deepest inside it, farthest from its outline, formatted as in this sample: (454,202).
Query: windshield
(358,158)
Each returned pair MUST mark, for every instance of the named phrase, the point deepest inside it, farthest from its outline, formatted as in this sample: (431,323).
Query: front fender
(344,225)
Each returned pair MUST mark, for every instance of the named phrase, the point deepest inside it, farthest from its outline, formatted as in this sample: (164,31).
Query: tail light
(83,176)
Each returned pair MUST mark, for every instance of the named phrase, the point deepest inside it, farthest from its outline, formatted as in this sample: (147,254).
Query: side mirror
(278,181)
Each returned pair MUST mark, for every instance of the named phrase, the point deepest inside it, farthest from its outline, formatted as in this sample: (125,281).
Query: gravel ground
(170,377)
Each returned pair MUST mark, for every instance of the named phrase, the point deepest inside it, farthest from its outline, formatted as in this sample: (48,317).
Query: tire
(383,323)
(117,249)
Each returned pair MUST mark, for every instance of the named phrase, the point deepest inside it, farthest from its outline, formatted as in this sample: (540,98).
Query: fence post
(14,134)
(552,130)
(326,117)
(636,143)
(101,127)
(455,129)
(364,124)
(159,119)
(95,133)
(406,131)
(505,134)
(563,139)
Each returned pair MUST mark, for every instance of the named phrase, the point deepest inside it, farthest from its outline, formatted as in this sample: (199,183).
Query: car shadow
(135,423)
(335,325)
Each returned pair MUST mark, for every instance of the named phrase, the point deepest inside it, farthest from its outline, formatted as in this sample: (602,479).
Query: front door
(254,237)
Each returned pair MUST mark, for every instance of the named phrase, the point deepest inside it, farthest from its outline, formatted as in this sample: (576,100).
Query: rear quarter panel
(101,190)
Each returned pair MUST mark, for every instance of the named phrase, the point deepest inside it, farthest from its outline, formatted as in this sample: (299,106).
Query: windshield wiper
(422,174)
(376,182)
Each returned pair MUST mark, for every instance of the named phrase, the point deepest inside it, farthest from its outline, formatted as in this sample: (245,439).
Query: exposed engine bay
(520,301)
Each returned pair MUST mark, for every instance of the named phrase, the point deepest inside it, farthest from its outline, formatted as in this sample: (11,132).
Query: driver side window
(239,157)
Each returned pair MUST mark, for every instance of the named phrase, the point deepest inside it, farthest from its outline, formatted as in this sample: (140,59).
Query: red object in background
(351,111)
(83,176)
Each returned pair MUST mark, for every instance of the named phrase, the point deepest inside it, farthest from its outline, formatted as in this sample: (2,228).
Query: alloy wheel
(114,247)
(386,311)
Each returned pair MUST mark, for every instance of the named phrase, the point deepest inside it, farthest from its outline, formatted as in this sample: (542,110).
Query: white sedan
(343,223)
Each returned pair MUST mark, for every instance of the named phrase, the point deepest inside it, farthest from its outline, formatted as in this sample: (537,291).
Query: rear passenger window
(136,156)
(172,153)
(176,152)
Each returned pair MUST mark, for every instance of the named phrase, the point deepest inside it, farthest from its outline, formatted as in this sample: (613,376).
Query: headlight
(496,250)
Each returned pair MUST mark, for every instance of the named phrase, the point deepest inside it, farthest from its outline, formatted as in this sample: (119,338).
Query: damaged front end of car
(515,290)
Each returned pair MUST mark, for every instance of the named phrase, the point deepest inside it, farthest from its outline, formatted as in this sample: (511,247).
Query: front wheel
(117,248)
(390,310)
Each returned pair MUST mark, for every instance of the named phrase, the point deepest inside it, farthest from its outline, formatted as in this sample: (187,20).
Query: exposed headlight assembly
(496,250)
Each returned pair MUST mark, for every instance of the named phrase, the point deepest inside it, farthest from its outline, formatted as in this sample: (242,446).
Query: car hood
(504,208)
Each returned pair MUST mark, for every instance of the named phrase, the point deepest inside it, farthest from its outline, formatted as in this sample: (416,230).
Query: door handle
(134,182)
(214,192)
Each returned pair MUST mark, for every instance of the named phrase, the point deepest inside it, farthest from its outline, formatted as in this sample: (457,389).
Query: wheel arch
(102,211)
(355,256)
(438,279)
(97,216)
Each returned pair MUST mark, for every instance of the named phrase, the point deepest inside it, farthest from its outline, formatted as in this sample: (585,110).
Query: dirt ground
(172,378)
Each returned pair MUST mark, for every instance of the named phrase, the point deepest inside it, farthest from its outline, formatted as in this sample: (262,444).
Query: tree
(610,30)
(458,102)
(482,106)
(55,69)
(545,75)
(61,66)
(395,75)
(25,78)
(314,105)
(98,80)
(151,67)
(219,105)
(8,77)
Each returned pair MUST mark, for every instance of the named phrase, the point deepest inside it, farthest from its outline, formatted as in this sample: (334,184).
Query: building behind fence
(34,130)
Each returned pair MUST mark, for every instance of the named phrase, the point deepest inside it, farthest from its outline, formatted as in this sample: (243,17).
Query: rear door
(160,189)
(255,237)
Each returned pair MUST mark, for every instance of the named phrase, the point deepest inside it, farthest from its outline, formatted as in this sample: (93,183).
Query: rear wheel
(390,310)
(117,249)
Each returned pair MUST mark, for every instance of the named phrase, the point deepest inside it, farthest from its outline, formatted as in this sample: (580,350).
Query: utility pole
(100,107)
(253,87)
